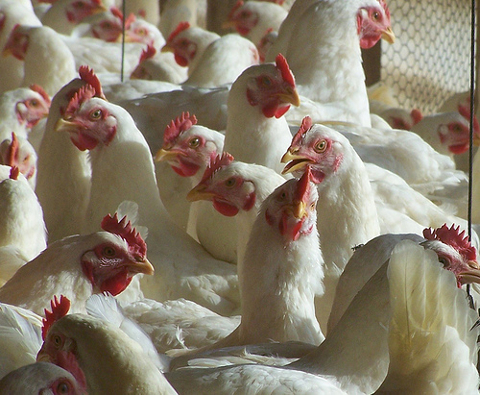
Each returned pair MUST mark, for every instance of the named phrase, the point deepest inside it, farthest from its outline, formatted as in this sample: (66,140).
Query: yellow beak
(290,96)
(388,35)
(199,193)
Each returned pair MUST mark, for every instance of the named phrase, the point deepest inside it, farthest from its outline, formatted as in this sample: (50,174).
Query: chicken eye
(265,82)
(106,25)
(313,205)
(444,261)
(33,103)
(376,15)
(96,114)
(457,129)
(109,252)
(57,341)
(141,32)
(320,146)
(230,182)
(63,388)
(282,196)
(194,143)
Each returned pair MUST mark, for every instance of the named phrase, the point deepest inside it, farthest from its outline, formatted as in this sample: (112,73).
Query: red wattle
(225,208)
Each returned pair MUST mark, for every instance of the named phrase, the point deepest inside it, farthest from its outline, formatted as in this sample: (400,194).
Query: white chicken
(22,229)
(278,284)
(187,150)
(18,152)
(343,187)
(63,176)
(188,43)
(110,135)
(41,46)
(90,347)
(160,67)
(39,378)
(78,266)
(64,15)
(223,61)
(12,13)
(341,29)
(236,189)
(21,109)
(257,131)
(252,19)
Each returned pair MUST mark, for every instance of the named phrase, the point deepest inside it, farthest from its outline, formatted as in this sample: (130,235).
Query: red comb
(416,115)
(41,92)
(220,161)
(12,151)
(130,19)
(454,238)
(85,93)
(59,310)
(87,74)
(180,28)
(287,74)
(464,111)
(124,229)
(237,5)
(176,127)
(147,53)
(304,128)
(14,172)
(303,185)
(116,12)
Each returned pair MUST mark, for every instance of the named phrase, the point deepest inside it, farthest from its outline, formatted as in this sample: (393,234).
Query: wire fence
(430,59)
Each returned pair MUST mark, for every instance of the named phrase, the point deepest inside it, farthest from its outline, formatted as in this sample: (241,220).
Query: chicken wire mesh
(430,59)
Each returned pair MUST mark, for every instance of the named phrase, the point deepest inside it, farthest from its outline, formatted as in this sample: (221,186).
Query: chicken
(106,25)
(38,378)
(363,328)
(64,15)
(343,187)
(13,12)
(236,189)
(78,266)
(362,365)
(47,60)
(63,176)
(223,61)
(433,331)
(188,44)
(94,351)
(176,11)
(257,131)
(342,28)
(278,283)
(18,152)
(184,268)
(21,109)
(448,132)
(161,67)
(187,150)
(106,308)
(396,117)
(254,18)
(22,229)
